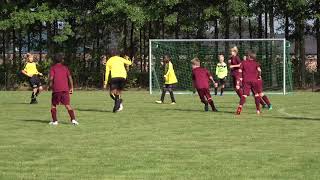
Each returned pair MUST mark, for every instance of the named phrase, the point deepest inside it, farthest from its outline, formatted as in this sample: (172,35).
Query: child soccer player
(250,70)
(221,74)
(201,78)
(115,67)
(170,80)
(61,83)
(30,70)
(234,66)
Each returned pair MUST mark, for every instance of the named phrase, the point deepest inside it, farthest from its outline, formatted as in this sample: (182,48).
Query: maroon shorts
(204,94)
(235,80)
(259,86)
(60,98)
(250,86)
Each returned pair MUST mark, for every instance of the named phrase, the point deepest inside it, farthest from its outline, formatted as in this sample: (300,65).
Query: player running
(221,74)
(201,78)
(170,80)
(30,70)
(234,66)
(250,70)
(115,67)
(61,83)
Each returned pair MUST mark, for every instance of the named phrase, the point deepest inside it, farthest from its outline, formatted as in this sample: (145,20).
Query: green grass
(150,141)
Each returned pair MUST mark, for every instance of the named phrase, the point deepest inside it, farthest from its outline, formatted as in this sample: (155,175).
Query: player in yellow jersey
(115,68)
(221,74)
(30,70)
(170,80)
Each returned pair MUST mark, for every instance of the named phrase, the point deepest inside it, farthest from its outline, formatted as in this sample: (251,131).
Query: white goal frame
(283,40)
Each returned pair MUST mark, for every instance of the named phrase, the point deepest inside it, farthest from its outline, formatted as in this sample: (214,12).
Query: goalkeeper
(221,74)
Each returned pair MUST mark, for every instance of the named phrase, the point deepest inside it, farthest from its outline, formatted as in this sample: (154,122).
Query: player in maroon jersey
(235,62)
(200,79)
(250,70)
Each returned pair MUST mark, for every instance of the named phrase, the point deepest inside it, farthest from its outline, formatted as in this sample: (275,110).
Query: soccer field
(151,141)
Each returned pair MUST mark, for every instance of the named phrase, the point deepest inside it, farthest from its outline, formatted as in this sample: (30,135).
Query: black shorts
(221,81)
(35,81)
(117,83)
(169,86)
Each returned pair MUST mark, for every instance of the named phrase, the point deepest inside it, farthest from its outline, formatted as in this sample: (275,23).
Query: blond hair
(235,49)
(195,61)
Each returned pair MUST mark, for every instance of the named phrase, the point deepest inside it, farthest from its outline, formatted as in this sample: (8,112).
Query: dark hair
(251,54)
(58,58)
(114,52)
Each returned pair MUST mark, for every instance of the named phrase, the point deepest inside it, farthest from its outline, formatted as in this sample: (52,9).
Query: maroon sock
(262,102)
(242,100)
(54,114)
(266,99)
(212,104)
(257,101)
(71,114)
(239,92)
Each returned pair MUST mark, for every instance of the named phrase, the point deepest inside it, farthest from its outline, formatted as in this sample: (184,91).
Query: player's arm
(126,60)
(70,83)
(51,78)
(259,72)
(37,72)
(24,71)
(106,78)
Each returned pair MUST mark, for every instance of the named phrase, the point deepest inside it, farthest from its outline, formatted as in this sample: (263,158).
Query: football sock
(242,100)
(239,92)
(212,104)
(37,93)
(172,96)
(215,91)
(33,96)
(54,114)
(257,101)
(266,99)
(71,114)
(112,96)
(163,95)
(222,89)
(116,103)
(262,102)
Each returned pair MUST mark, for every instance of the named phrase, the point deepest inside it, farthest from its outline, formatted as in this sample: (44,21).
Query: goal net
(272,54)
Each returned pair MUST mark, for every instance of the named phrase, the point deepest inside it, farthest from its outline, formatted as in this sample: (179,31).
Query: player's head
(58,58)
(244,58)
(195,62)
(234,51)
(103,59)
(251,55)
(29,57)
(166,58)
(221,58)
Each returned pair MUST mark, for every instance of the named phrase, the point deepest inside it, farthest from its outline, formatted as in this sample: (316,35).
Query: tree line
(86,29)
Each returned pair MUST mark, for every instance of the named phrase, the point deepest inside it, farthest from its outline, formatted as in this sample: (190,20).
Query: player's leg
(54,102)
(216,85)
(237,86)
(170,89)
(209,99)
(65,100)
(246,93)
(163,94)
(257,99)
(223,83)
(266,100)
(201,93)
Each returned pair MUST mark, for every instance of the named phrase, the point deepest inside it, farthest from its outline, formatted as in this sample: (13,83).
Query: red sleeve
(238,60)
(51,72)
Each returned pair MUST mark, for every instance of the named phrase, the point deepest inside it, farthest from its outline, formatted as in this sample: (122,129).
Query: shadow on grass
(91,110)
(195,110)
(297,118)
(19,103)
(42,121)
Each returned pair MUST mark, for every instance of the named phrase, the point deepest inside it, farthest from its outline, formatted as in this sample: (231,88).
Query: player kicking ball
(200,80)
(30,70)
(170,80)
(250,70)
(221,74)
(61,84)
(115,67)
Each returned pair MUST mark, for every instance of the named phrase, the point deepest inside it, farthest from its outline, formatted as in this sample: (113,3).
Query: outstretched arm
(70,84)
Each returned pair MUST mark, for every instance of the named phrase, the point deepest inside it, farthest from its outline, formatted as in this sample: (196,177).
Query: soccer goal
(272,54)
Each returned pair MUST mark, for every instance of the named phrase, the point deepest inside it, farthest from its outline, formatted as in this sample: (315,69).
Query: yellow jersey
(31,69)
(115,67)
(170,76)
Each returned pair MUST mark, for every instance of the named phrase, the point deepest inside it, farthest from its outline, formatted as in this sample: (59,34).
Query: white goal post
(172,46)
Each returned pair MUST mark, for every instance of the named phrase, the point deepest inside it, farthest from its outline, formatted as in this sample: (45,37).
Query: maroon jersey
(201,78)
(60,74)
(250,70)
(235,60)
